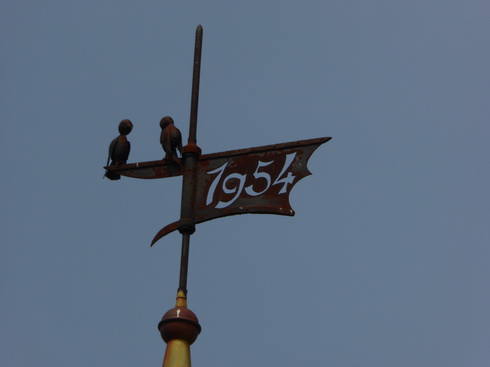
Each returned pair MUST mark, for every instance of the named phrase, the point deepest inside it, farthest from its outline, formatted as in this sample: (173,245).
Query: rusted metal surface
(170,139)
(165,168)
(196,77)
(190,157)
(254,180)
(147,170)
(119,149)
(179,327)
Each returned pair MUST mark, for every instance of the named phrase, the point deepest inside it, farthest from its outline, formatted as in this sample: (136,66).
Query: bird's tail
(177,160)
(172,157)
(112,176)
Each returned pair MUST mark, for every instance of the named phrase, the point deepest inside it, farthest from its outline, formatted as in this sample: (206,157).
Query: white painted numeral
(250,189)
(237,189)
(214,184)
(289,178)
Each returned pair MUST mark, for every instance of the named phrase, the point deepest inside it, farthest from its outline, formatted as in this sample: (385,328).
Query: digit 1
(214,184)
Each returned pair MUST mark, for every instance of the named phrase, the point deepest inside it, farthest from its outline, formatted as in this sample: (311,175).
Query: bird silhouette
(119,149)
(171,139)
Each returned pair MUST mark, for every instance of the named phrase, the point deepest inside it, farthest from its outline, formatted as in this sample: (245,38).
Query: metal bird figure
(119,149)
(171,139)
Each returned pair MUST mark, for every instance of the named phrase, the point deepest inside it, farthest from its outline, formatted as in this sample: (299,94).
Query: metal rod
(195,86)
(190,157)
(184,262)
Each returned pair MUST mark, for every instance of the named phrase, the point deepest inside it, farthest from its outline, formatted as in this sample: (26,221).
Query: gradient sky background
(387,261)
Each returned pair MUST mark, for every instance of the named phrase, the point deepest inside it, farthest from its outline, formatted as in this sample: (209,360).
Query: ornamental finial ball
(179,323)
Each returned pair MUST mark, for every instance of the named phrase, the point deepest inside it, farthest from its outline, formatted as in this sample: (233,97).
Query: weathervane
(254,180)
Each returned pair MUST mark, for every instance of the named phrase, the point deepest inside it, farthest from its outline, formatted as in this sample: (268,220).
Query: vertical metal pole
(184,262)
(180,327)
(195,86)
(190,155)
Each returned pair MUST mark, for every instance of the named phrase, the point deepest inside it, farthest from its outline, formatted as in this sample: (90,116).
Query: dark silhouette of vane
(119,149)
(171,139)
(255,180)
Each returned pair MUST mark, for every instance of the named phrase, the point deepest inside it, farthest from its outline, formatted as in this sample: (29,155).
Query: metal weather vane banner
(254,180)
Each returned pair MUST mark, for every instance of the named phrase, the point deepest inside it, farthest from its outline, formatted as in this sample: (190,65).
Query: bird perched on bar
(119,149)
(171,139)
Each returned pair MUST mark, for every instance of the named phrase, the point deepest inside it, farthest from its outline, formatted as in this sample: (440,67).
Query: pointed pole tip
(199,31)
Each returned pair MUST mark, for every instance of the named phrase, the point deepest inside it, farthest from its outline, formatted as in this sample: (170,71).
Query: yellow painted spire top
(179,328)
(181,299)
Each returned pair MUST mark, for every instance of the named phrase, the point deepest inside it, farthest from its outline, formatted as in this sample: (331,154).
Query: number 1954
(259,174)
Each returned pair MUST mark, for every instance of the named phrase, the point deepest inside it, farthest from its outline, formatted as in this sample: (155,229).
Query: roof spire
(179,328)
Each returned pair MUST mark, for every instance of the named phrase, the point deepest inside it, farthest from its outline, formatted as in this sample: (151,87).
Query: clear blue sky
(386,262)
